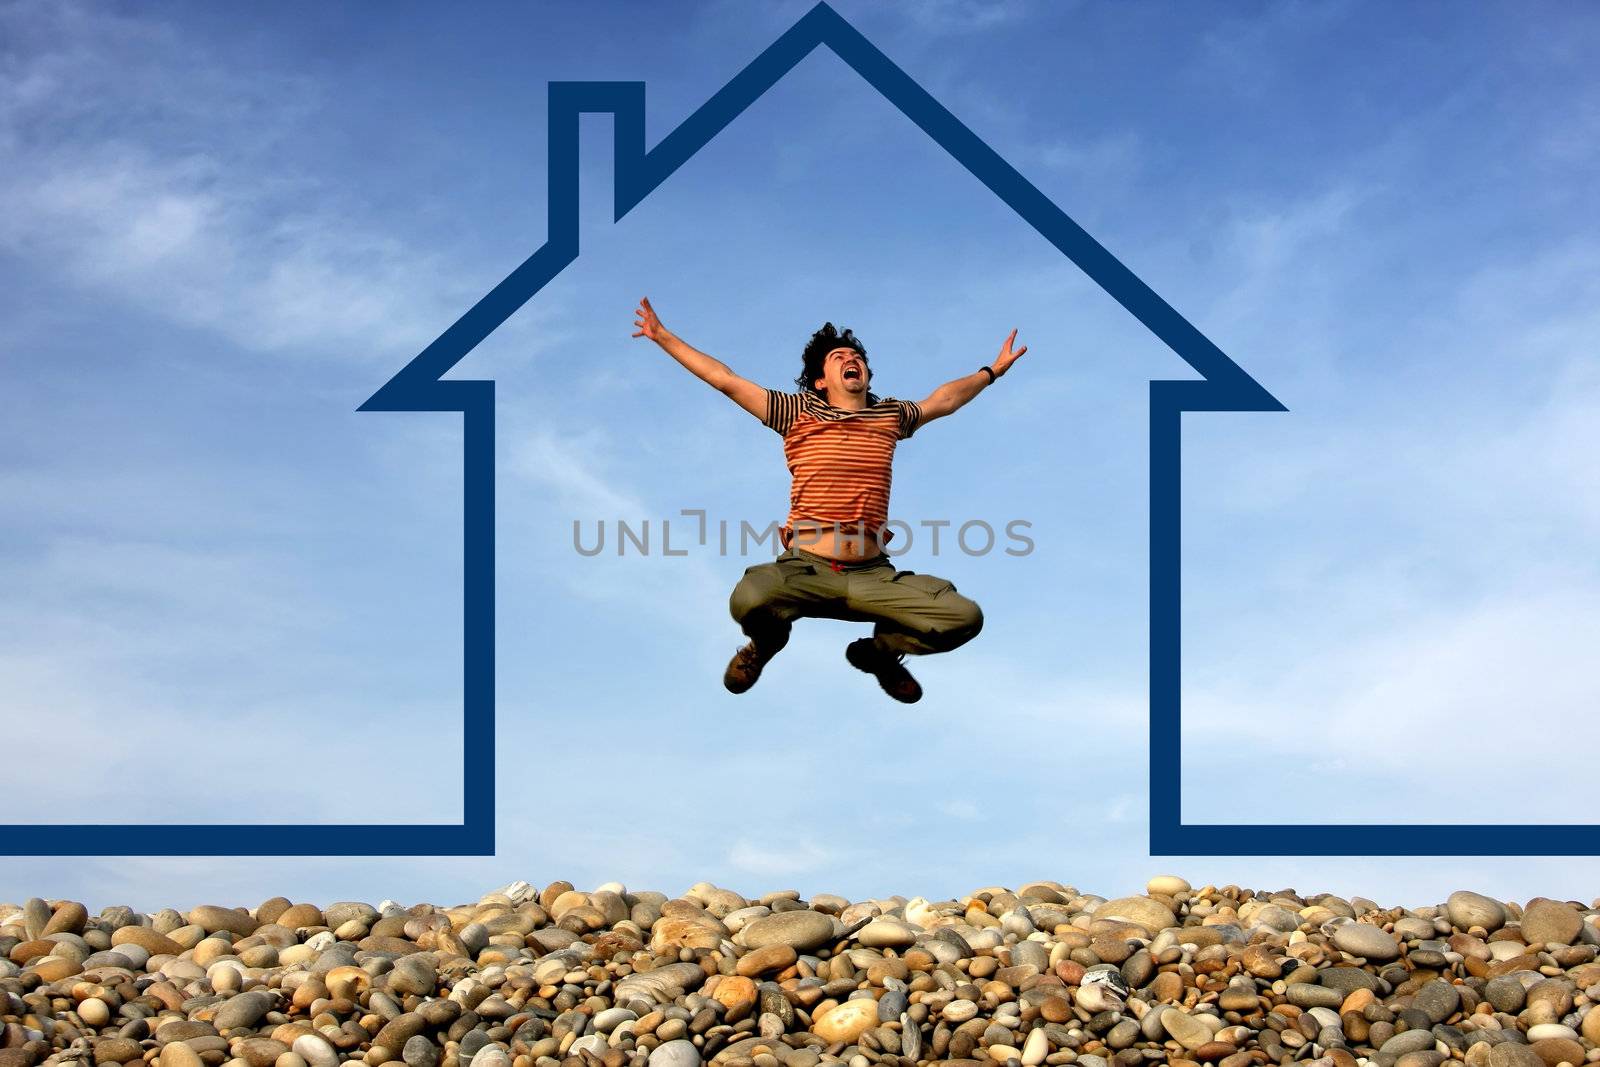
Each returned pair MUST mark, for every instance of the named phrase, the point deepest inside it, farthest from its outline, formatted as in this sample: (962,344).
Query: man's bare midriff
(844,543)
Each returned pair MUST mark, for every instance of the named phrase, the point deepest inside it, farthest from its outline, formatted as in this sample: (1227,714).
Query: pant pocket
(926,583)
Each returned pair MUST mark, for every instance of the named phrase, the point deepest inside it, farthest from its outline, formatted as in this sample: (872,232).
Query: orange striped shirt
(840,460)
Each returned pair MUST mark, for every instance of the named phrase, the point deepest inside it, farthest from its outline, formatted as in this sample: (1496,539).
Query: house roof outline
(420,386)
(1224,385)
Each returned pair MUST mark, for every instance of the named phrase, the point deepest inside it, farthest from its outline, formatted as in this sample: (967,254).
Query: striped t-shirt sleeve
(781,410)
(910,417)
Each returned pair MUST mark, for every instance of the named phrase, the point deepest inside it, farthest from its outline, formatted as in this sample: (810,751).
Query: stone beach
(1043,974)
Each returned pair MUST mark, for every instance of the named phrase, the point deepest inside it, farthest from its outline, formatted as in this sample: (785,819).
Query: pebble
(315,1050)
(1307,995)
(1557,1050)
(94,1012)
(69,917)
(611,1018)
(1412,928)
(887,933)
(179,1054)
(1166,986)
(1590,1028)
(1147,912)
(1506,993)
(679,1053)
(1124,1034)
(1138,968)
(766,960)
(260,1051)
(1035,1048)
(144,937)
(1428,1057)
(1366,940)
(1548,1030)
(495,1056)
(846,1021)
(1513,1054)
(1188,1031)
(737,995)
(413,975)
(117,1050)
(1550,922)
(243,1010)
(212,919)
(1410,1041)
(1238,998)
(802,931)
(1033,954)
(1438,1000)
(1097,998)
(420,1052)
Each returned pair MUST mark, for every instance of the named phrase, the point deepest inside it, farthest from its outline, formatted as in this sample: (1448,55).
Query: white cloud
(960,809)
(138,168)
(1125,808)
(1244,52)
(1115,157)
(569,466)
(120,746)
(961,16)
(765,859)
(560,474)
(1453,681)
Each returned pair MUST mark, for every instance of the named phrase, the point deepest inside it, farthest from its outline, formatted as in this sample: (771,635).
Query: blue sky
(230,596)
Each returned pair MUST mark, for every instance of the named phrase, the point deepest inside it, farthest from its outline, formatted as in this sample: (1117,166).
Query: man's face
(843,371)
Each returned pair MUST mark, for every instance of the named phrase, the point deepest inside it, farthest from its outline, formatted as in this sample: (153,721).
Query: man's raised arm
(953,394)
(712,371)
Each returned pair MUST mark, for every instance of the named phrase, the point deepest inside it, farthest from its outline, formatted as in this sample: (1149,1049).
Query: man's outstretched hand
(649,325)
(1007,357)
(708,369)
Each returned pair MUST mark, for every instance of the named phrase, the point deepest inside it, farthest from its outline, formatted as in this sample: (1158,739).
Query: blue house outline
(419,386)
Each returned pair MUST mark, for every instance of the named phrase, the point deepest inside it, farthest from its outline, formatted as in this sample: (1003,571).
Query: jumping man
(839,441)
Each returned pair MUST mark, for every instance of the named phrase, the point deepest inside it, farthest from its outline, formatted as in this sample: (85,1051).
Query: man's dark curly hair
(822,342)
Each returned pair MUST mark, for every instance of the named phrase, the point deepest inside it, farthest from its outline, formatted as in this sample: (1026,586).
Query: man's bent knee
(752,606)
(962,623)
(754,592)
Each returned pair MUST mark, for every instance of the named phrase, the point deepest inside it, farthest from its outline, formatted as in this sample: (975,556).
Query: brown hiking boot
(865,655)
(744,668)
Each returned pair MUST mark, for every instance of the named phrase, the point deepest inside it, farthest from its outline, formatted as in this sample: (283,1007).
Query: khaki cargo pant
(915,613)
